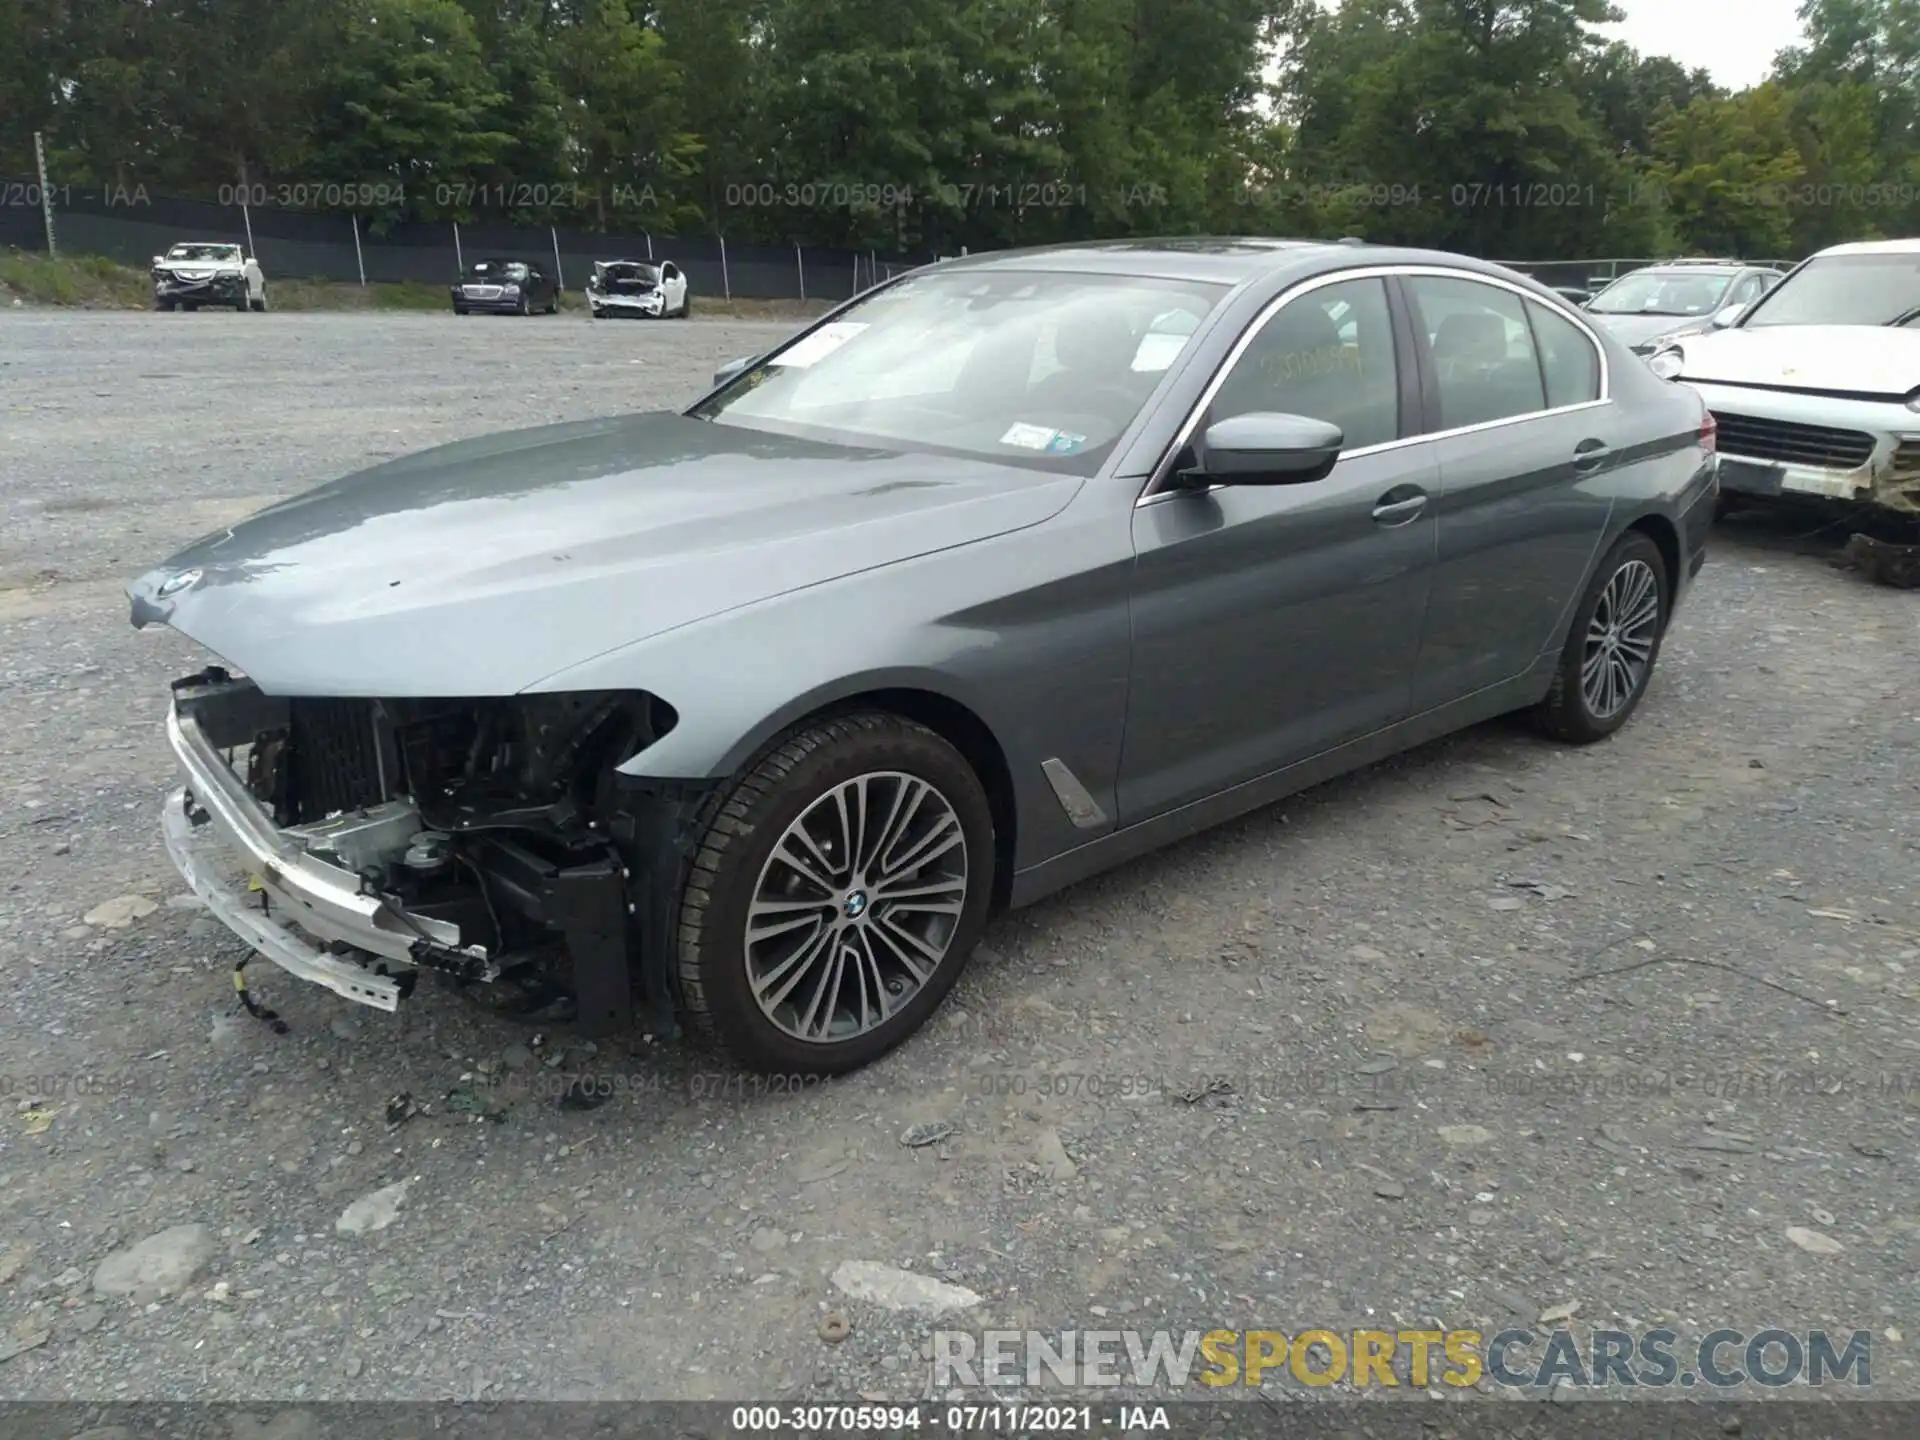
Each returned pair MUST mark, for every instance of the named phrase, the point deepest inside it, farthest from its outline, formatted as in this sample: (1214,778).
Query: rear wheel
(835,896)
(1613,646)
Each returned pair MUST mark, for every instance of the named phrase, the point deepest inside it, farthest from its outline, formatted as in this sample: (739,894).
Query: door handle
(1590,455)
(1399,505)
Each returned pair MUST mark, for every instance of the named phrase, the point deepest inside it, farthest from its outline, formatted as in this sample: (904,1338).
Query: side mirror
(158,258)
(1264,448)
(732,368)
(1728,315)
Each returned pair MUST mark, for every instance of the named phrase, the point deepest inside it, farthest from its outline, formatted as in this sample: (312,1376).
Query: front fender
(1029,634)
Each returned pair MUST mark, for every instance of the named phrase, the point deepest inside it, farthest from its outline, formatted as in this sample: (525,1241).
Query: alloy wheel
(856,906)
(1620,640)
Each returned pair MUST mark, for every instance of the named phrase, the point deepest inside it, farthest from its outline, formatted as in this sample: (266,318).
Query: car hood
(1638,329)
(1841,359)
(482,567)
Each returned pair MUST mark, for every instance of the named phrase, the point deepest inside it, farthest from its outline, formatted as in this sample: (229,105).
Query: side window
(1484,361)
(1567,358)
(1327,354)
(668,272)
(1748,289)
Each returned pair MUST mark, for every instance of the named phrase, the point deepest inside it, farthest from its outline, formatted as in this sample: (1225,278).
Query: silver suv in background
(1817,387)
(1647,307)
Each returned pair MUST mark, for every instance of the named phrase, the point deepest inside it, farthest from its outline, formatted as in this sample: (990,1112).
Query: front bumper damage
(650,305)
(309,896)
(1775,442)
(221,288)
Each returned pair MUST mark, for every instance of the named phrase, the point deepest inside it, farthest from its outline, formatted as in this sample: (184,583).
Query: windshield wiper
(1906,317)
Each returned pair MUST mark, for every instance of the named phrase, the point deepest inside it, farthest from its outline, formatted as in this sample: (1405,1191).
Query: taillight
(1709,432)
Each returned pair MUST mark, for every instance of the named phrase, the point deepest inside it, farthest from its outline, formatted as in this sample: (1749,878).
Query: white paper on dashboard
(1156,352)
(820,344)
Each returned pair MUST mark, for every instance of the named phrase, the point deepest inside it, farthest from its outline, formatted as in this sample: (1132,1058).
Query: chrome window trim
(1152,491)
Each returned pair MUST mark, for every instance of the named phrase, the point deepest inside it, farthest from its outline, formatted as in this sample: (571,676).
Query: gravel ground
(1490,1030)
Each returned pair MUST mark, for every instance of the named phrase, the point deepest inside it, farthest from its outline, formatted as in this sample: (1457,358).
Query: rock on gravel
(120,912)
(1813,1242)
(158,1266)
(892,1288)
(373,1212)
(1465,1136)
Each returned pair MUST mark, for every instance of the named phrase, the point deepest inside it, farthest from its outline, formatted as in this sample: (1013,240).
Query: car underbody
(484,840)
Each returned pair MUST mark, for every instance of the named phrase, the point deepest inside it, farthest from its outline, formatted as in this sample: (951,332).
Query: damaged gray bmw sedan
(749,717)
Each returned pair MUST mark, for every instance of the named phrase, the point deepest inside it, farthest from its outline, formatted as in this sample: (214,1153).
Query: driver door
(1275,622)
(675,285)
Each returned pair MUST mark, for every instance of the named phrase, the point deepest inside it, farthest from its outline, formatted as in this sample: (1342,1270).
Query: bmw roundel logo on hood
(174,584)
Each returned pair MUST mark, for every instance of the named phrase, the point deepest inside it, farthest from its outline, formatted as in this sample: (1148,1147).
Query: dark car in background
(999,575)
(506,287)
(1645,308)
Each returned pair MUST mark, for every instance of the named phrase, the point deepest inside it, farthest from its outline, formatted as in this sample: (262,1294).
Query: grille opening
(1793,443)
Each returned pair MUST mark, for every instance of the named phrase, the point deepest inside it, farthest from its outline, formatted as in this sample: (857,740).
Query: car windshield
(496,270)
(1844,290)
(1663,292)
(204,252)
(1027,367)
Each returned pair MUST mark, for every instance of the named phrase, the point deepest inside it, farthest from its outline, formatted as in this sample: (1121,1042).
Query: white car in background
(1816,387)
(203,272)
(638,287)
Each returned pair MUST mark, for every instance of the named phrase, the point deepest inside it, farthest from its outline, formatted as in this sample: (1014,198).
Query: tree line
(1508,128)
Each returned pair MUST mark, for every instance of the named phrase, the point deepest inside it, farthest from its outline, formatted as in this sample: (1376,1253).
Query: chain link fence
(131,226)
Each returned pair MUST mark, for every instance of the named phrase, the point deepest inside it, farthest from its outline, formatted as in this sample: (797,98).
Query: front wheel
(835,896)
(1613,645)
(686,306)
(259,305)
(166,305)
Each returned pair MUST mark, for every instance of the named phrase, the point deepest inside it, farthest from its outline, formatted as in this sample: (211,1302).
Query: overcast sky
(1734,39)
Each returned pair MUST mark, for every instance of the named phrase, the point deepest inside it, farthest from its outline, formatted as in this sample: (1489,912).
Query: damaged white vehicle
(1816,388)
(208,273)
(638,288)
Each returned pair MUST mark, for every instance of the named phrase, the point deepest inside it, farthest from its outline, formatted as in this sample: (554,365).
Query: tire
(259,307)
(553,303)
(190,306)
(796,779)
(525,307)
(461,310)
(166,305)
(1631,577)
(686,305)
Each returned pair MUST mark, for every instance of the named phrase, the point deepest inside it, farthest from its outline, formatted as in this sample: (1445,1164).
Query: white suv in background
(1817,386)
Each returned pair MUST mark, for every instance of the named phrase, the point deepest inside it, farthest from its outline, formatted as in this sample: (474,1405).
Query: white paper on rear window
(820,344)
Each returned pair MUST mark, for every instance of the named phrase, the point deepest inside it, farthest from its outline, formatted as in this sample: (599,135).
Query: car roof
(209,244)
(1693,267)
(1221,259)
(1875,247)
